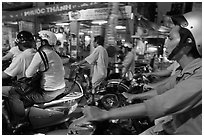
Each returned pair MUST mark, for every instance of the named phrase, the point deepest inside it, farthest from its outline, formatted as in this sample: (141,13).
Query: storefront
(39,17)
(75,24)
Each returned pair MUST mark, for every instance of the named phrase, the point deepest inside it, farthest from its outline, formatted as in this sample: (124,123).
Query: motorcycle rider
(99,59)
(12,53)
(52,83)
(25,42)
(182,95)
(129,61)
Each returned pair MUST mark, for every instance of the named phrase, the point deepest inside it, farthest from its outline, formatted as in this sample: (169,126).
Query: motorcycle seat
(71,97)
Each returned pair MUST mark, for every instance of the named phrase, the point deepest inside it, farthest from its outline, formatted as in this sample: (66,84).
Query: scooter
(106,97)
(110,97)
(46,117)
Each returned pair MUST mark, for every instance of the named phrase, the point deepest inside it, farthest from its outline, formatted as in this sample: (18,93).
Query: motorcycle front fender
(44,117)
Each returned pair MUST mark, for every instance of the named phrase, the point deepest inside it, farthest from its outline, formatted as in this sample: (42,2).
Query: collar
(30,50)
(192,66)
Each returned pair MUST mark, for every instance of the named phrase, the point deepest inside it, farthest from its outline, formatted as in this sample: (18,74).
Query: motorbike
(46,117)
(107,97)
(7,81)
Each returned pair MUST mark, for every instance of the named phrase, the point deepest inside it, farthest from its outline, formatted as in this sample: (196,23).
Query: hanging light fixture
(100,22)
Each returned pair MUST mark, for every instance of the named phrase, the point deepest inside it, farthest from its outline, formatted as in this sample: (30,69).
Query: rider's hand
(130,97)
(75,64)
(123,76)
(147,74)
(93,113)
(148,86)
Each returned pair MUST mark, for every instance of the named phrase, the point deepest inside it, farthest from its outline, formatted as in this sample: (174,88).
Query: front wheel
(6,123)
(116,86)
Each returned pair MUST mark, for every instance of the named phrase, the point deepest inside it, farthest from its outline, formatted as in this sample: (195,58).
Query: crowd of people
(179,97)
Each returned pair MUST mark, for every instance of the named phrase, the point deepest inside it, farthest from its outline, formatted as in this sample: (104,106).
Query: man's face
(20,46)
(173,40)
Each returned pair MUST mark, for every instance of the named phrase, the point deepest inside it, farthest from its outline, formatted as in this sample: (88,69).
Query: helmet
(128,45)
(192,21)
(49,36)
(24,37)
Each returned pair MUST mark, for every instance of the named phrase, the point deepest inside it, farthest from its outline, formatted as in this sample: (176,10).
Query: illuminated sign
(98,13)
(63,7)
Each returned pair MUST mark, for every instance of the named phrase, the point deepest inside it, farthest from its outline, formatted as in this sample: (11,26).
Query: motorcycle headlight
(110,101)
(129,76)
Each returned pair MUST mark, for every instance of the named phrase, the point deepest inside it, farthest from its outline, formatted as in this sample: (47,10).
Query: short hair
(99,40)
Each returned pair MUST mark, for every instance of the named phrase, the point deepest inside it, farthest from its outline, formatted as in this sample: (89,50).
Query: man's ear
(43,43)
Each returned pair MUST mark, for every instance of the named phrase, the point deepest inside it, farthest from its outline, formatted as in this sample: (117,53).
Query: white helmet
(49,36)
(193,22)
(128,44)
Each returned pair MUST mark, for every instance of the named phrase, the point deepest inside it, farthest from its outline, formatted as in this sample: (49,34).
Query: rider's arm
(136,110)
(91,59)
(14,69)
(81,62)
(5,75)
(34,65)
(166,85)
(8,56)
(157,90)
(146,95)
(180,98)
(161,73)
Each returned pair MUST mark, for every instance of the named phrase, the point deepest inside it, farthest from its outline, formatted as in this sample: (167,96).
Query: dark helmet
(24,38)
(192,23)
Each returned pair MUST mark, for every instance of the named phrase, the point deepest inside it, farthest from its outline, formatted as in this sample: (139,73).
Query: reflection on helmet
(24,37)
(193,22)
(49,36)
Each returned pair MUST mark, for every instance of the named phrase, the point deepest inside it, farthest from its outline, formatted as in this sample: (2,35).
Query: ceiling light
(62,24)
(100,22)
(120,27)
(81,33)
(84,25)
(13,23)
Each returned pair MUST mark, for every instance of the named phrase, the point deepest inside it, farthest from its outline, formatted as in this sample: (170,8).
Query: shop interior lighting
(84,25)
(132,16)
(120,27)
(81,33)
(62,24)
(100,22)
(151,49)
(12,23)
(90,32)
(123,40)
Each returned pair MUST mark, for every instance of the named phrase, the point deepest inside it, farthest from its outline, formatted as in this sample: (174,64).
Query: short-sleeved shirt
(179,97)
(15,51)
(20,64)
(99,59)
(53,78)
